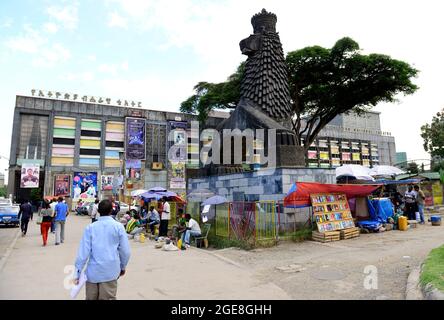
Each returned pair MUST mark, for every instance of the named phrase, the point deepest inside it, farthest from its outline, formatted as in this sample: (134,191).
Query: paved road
(7,235)
(313,270)
(36,272)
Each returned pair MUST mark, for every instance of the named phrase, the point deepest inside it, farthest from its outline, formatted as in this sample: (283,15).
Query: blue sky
(155,51)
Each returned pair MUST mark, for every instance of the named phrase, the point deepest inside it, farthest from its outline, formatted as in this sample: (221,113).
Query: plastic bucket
(436,220)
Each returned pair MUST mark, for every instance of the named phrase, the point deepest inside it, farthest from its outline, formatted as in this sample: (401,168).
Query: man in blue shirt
(105,250)
(61,212)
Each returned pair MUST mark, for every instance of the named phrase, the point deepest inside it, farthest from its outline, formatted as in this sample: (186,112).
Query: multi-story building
(401,160)
(352,139)
(88,135)
(66,136)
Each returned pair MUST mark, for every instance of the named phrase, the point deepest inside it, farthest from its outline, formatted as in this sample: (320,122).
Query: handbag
(39,220)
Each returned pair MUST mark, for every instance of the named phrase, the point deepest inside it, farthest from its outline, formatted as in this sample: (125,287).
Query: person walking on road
(116,208)
(53,205)
(25,215)
(61,212)
(105,251)
(46,213)
(95,211)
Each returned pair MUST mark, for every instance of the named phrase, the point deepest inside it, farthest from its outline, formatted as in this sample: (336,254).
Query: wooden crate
(350,233)
(327,236)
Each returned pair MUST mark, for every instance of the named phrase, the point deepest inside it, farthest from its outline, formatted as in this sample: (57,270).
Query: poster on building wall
(30,175)
(133,169)
(62,185)
(178,141)
(85,185)
(177,180)
(107,182)
(135,139)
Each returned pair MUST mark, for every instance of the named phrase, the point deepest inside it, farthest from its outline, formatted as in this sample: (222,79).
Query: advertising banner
(177,180)
(30,175)
(107,182)
(62,185)
(135,139)
(85,185)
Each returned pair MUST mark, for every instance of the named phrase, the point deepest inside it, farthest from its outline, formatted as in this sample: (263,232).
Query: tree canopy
(323,82)
(433,135)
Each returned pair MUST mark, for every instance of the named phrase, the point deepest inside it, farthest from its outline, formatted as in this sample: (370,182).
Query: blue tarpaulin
(380,209)
(369,224)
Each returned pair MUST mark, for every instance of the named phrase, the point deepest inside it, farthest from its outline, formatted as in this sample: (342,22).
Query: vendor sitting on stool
(153,219)
(134,226)
(192,229)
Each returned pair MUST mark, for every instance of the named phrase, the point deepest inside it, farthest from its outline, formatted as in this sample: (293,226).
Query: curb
(413,290)
(9,250)
(432,293)
(227,260)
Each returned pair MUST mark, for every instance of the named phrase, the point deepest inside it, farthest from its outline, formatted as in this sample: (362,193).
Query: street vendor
(153,219)
(134,226)
(192,229)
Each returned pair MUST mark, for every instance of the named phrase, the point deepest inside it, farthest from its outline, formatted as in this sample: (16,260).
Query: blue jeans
(187,234)
(421,212)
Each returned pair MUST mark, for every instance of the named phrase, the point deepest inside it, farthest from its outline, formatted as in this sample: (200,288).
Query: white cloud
(116,20)
(153,91)
(43,53)
(50,27)
(113,68)
(82,76)
(49,57)
(92,57)
(65,15)
(28,42)
(6,22)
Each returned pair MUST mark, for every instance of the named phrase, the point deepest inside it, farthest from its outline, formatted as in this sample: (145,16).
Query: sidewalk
(36,272)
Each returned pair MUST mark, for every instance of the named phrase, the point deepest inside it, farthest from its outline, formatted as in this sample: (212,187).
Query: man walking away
(420,202)
(116,208)
(95,211)
(165,217)
(105,251)
(25,215)
(53,205)
(61,212)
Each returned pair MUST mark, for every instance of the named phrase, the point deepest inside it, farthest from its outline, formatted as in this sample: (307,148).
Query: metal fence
(256,223)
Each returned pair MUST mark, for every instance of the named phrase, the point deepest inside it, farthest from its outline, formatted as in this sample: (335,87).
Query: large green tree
(323,82)
(433,135)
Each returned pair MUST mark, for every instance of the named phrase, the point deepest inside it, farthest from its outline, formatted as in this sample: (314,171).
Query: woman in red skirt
(46,213)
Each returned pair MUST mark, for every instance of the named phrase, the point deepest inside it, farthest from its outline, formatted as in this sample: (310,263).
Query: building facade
(352,139)
(76,141)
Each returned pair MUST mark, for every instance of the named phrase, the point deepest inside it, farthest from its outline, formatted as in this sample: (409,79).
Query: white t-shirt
(52,206)
(166,214)
(194,225)
(95,211)
(410,196)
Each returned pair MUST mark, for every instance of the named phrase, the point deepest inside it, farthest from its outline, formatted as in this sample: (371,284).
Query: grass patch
(301,235)
(222,243)
(433,269)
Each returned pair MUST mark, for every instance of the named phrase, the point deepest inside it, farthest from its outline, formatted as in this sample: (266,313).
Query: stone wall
(264,185)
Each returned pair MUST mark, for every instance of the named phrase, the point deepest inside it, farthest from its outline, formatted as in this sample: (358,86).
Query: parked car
(9,213)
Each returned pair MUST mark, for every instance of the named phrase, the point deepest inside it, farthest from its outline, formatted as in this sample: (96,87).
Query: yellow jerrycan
(402,223)
(142,237)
